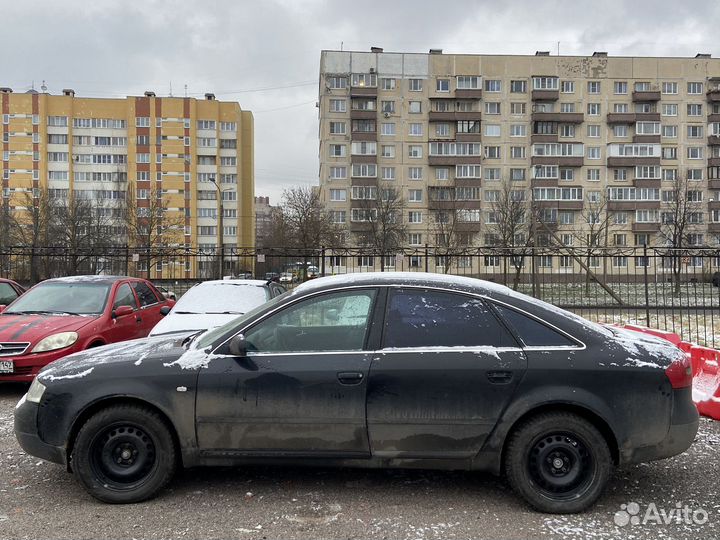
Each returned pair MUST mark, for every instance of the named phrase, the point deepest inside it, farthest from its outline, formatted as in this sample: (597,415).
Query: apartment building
(195,155)
(583,139)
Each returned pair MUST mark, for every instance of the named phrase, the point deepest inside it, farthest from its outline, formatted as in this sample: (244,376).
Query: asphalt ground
(41,500)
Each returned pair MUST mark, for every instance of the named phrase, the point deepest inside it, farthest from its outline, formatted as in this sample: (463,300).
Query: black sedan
(371,370)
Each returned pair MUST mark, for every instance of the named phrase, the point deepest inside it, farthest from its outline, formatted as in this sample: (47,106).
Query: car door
(300,390)
(446,370)
(124,327)
(149,308)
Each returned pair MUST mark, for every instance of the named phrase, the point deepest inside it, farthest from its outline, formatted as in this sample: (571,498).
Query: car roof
(89,279)
(251,282)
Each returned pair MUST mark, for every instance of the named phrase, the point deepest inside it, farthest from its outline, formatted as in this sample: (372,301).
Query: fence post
(426,258)
(322,261)
(646,260)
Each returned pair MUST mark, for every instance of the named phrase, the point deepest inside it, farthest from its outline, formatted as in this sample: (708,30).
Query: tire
(124,454)
(558,462)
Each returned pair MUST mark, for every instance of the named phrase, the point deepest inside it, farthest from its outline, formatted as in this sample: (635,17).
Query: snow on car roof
(88,278)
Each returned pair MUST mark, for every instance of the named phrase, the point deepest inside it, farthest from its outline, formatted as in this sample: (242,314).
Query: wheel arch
(600,423)
(109,401)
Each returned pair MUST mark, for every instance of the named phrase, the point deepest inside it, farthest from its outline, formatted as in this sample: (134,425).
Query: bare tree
(150,227)
(448,220)
(386,229)
(594,233)
(513,229)
(679,222)
(32,226)
(307,224)
(83,226)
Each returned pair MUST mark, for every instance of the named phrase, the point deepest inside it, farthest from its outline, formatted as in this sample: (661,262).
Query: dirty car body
(391,370)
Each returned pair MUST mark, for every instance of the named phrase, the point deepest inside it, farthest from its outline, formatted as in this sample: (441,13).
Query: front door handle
(138,320)
(499,377)
(350,377)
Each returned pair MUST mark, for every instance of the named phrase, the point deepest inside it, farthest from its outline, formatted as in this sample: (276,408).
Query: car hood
(33,328)
(186,322)
(136,352)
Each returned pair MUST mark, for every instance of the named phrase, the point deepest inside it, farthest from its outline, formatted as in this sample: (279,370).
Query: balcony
(714,162)
(468,115)
(621,118)
(646,182)
(562,161)
(544,138)
(713,95)
(363,114)
(647,117)
(467,226)
(364,158)
(361,91)
(631,161)
(441,116)
(654,139)
(714,183)
(713,205)
(545,95)
(560,205)
(632,205)
(564,118)
(454,160)
(468,137)
(714,117)
(714,140)
(453,205)
(544,182)
(646,95)
(468,93)
(364,135)
(714,227)
(645,227)
(363,181)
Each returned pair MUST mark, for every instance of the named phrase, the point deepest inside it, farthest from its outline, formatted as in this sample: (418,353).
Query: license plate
(6,366)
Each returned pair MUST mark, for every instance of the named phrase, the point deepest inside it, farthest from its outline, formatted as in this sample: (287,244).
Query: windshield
(211,335)
(57,297)
(221,298)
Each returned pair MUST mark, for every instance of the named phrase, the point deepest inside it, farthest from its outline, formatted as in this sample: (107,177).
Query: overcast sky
(265,53)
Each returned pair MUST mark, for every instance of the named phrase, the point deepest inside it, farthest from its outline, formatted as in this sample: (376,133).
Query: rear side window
(533,333)
(145,294)
(422,318)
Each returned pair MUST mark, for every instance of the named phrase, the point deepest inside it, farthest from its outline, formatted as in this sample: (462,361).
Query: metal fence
(672,290)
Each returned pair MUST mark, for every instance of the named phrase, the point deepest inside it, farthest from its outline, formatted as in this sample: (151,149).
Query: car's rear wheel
(558,462)
(124,454)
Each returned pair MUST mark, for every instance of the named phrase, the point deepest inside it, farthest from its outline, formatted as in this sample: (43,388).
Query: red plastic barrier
(706,373)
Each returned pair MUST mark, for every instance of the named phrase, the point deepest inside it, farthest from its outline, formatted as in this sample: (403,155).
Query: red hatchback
(61,316)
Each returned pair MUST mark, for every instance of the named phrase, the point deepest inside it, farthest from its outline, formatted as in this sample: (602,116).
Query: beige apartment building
(194,155)
(595,143)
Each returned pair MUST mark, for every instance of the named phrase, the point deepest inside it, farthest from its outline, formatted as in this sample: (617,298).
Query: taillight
(680,373)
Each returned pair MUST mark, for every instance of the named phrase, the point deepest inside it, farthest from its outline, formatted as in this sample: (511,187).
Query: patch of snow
(71,376)
(195,359)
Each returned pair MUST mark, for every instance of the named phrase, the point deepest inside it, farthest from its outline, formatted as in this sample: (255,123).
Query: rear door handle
(499,377)
(350,377)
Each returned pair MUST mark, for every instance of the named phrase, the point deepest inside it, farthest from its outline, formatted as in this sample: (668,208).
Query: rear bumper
(26,433)
(684,424)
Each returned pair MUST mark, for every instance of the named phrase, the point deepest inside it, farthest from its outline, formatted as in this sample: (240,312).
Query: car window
(63,297)
(331,322)
(145,294)
(124,297)
(423,318)
(532,332)
(7,294)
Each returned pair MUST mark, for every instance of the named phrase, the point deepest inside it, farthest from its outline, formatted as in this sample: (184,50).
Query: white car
(213,303)
(287,277)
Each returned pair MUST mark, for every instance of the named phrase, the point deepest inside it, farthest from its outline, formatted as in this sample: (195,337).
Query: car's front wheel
(558,462)
(124,454)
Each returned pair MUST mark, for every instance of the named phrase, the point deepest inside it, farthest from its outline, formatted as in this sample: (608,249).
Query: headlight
(56,341)
(35,393)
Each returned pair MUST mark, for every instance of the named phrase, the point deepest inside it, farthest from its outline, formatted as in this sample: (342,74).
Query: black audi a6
(371,370)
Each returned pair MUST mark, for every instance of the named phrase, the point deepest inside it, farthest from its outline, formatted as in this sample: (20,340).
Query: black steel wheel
(124,454)
(559,462)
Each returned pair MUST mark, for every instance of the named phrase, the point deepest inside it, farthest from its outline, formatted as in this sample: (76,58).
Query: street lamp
(221,227)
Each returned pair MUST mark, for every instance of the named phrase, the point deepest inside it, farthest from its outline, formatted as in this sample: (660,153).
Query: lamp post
(221,227)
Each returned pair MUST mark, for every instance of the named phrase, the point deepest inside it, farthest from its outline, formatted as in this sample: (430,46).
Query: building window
(518,87)
(517,152)
(593,109)
(414,217)
(492,107)
(669,132)
(337,150)
(694,109)
(694,132)
(545,83)
(467,82)
(387,128)
(387,173)
(338,105)
(492,130)
(620,130)
(669,109)
(336,82)
(415,107)
(416,129)
(415,85)
(337,173)
(415,151)
(518,130)
(442,130)
(442,173)
(415,173)
(669,88)
(568,87)
(337,128)
(593,130)
(493,85)
(593,175)
(388,150)
(415,195)
(442,85)
(338,195)
(621,87)
(387,83)
(694,88)
(518,109)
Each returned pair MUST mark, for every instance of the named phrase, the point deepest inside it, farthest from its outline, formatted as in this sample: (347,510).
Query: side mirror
(121,311)
(237,346)
(165,310)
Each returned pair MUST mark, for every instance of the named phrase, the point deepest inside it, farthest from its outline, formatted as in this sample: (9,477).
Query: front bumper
(26,433)
(684,423)
(27,366)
